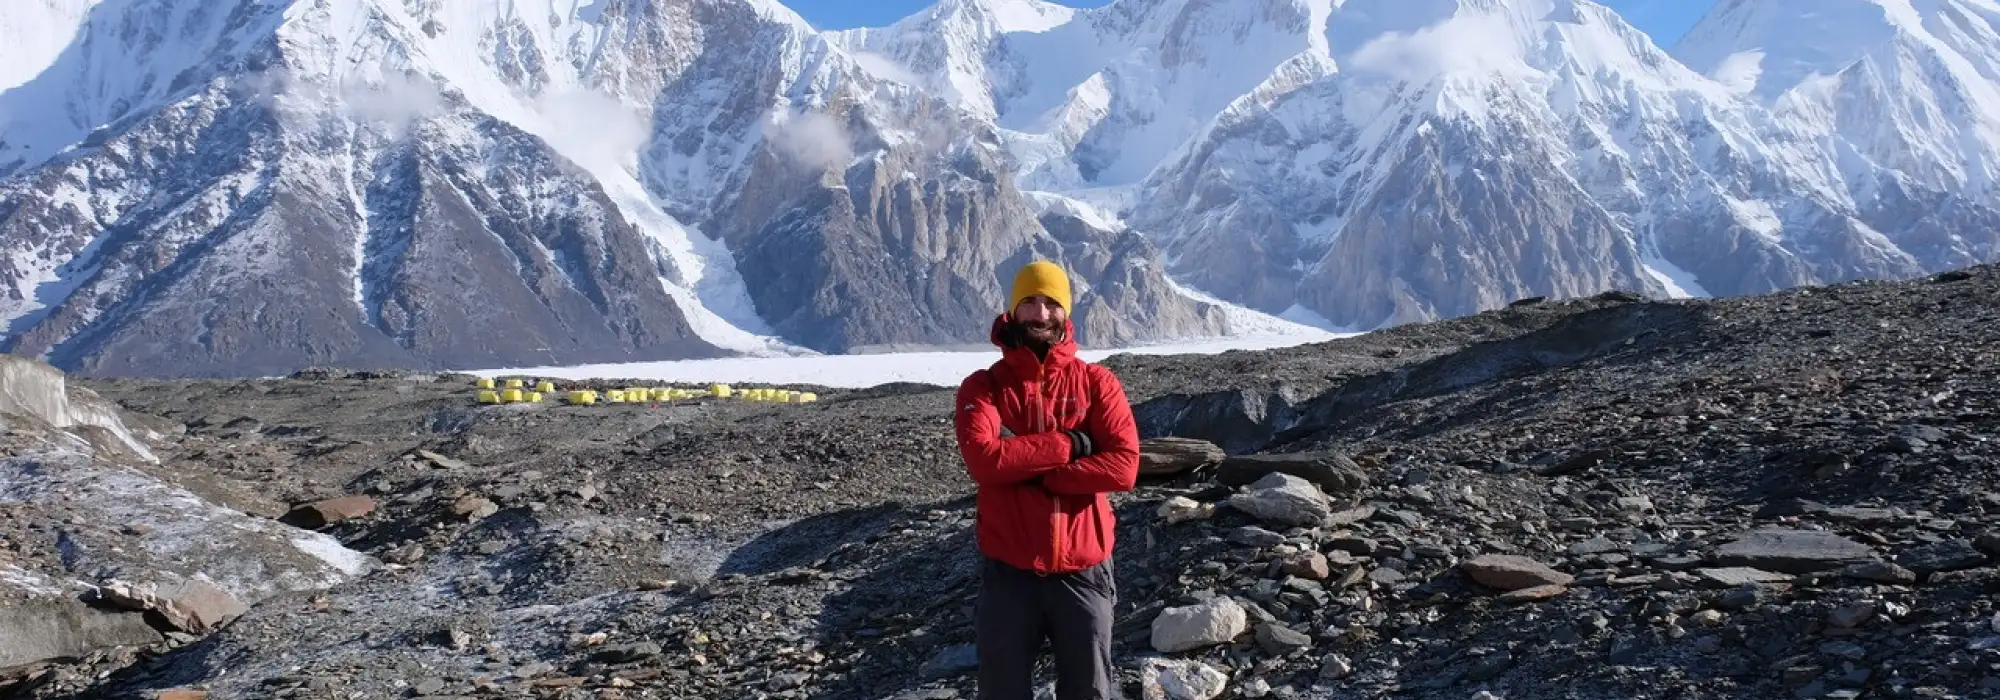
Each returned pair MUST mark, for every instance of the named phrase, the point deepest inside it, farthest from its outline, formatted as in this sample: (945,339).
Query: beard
(1038,335)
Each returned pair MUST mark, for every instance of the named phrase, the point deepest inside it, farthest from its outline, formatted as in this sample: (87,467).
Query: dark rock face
(918,248)
(1237,420)
(1332,472)
(48,629)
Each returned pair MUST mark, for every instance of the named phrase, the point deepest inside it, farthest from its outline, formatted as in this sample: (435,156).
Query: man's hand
(1080,445)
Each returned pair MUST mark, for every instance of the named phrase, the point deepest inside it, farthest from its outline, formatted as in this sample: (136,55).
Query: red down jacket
(1039,511)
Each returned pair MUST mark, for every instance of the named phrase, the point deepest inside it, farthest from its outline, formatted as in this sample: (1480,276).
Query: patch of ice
(1680,283)
(1052,203)
(186,535)
(1758,216)
(1245,322)
(331,551)
(29,581)
(941,368)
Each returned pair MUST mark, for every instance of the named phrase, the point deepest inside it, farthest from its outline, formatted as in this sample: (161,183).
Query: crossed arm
(993,459)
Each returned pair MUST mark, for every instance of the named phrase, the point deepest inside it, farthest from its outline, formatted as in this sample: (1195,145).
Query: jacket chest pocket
(1068,405)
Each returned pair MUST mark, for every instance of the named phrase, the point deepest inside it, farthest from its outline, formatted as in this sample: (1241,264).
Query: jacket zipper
(1055,500)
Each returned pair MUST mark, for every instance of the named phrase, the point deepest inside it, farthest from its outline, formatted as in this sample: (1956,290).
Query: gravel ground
(1787,496)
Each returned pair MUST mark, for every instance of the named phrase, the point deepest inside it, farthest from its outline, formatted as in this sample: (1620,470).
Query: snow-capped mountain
(1903,96)
(1908,84)
(251,186)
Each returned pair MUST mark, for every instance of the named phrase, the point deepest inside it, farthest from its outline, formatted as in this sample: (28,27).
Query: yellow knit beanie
(1040,277)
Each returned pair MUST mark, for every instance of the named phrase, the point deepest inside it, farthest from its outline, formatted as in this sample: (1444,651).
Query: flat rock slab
(1791,551)
(441,461)
(1733,576)
(1333,472)
(44,629)
(1949,555)
(1530,595)
(1855,514)
(1510,572)
(1880,572)
(1175,455)
(313,516)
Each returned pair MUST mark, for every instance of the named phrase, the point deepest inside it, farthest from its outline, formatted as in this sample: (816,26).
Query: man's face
(1040,319)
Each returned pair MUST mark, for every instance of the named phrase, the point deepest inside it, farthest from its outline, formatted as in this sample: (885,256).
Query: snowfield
(942,368)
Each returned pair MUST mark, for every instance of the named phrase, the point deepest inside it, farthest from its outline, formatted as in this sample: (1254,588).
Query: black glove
(1079,445)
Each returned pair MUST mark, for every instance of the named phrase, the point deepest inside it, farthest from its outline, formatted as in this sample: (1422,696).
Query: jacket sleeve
(993,460)
(1114,433)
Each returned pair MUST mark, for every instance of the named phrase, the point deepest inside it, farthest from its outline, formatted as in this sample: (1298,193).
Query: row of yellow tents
(518,391)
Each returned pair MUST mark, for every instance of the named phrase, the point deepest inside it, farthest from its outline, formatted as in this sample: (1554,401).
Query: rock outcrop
(99,548)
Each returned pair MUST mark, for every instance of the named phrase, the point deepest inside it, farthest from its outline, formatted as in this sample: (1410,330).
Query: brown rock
(1529,595)
(1509,572)
(1309,565)
(441,461)
(474,507)
(182,694)
(193,606)
(313,516)
(1175,455)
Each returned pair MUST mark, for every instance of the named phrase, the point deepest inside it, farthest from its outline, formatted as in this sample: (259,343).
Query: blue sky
(1666,20)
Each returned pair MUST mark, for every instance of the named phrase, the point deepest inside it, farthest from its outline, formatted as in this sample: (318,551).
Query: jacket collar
(1022,360)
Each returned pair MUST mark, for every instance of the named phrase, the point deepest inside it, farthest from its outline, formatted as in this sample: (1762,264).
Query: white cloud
(1465,43)
(1740,71)
(810,140)
(593,128)
(887,68)
(399,100)
(395,102)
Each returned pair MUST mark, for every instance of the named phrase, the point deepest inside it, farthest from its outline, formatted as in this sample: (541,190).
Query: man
(1045,435)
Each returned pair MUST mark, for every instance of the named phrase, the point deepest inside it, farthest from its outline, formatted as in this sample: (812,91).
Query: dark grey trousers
(1018,610)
